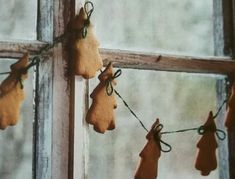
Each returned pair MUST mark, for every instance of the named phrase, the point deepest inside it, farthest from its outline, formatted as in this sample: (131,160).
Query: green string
(221,135)
(201,130)
(5,73)
(157,137)
(88,14)
(132,112)
(109,85)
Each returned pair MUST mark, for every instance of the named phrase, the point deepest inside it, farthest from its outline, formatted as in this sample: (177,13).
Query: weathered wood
(63,118)
(60,130)
(224,21)
(79,138)
(45,21)
(43,93)
(219,41)
(15,49)
(80,134)
(232,133)
(43,121)
(223,145)
(125,59)
(223,31)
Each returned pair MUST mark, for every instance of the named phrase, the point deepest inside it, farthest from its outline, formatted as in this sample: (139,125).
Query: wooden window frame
(52,92)
(57,152)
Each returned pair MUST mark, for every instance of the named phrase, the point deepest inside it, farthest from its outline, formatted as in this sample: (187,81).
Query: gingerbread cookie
(86,53)
(16,74)
(150,155)
(101,112)
(206,156)
(230,115)
(11,93)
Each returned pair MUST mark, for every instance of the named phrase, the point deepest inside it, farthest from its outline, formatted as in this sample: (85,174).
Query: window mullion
(224,45)
(63,96)
(42,163)
(15,49)
(126,59)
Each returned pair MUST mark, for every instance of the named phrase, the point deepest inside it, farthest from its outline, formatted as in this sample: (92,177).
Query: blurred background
(169,26)
(179,100)
(18,22)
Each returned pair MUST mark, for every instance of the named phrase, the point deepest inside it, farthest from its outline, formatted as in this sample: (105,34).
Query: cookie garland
(101,113)
(12,93)
(88,69)
(206,156)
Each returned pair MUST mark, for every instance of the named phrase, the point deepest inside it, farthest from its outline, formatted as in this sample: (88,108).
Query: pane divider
(164,62)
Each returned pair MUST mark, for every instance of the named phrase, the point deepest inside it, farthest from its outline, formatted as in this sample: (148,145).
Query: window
(59,140)
(15,17)
(152,29)
(17,142)
(42,148)
(156,26)
(16,154)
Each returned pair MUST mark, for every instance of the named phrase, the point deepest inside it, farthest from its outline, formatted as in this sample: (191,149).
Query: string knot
(89,8)
(23,71)
(157,137)
(109,85)
(221,135)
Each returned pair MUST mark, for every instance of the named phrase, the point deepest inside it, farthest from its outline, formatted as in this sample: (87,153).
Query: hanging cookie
(230,115)
(12,94)
(206,156)
(150,155)
(101,112)
(86,53)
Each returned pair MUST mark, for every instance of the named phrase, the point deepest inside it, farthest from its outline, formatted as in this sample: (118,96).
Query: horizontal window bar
(163,62)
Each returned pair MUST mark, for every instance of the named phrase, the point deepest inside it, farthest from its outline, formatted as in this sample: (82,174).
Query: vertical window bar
(224,46)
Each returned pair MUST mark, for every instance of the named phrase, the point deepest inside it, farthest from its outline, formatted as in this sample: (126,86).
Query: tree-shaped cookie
(86,53)
(206,156)
(230,116)
(150,155)
(12,94)
(101,112)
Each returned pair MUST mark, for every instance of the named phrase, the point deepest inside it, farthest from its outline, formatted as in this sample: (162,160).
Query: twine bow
(87,21)
(109,85)
(23,71)
(157,136)
(219,133)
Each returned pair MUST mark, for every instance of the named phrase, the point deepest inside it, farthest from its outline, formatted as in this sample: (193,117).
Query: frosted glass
(17,142)
(18,20)
(180,100)
(169,26)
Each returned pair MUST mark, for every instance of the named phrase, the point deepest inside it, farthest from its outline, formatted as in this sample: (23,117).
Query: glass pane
(184,27)
(16,142)
(180,100)
(18,20)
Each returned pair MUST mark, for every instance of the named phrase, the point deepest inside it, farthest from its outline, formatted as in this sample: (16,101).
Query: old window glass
(183,27)
(180,100)
(16,142)
(18,20)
